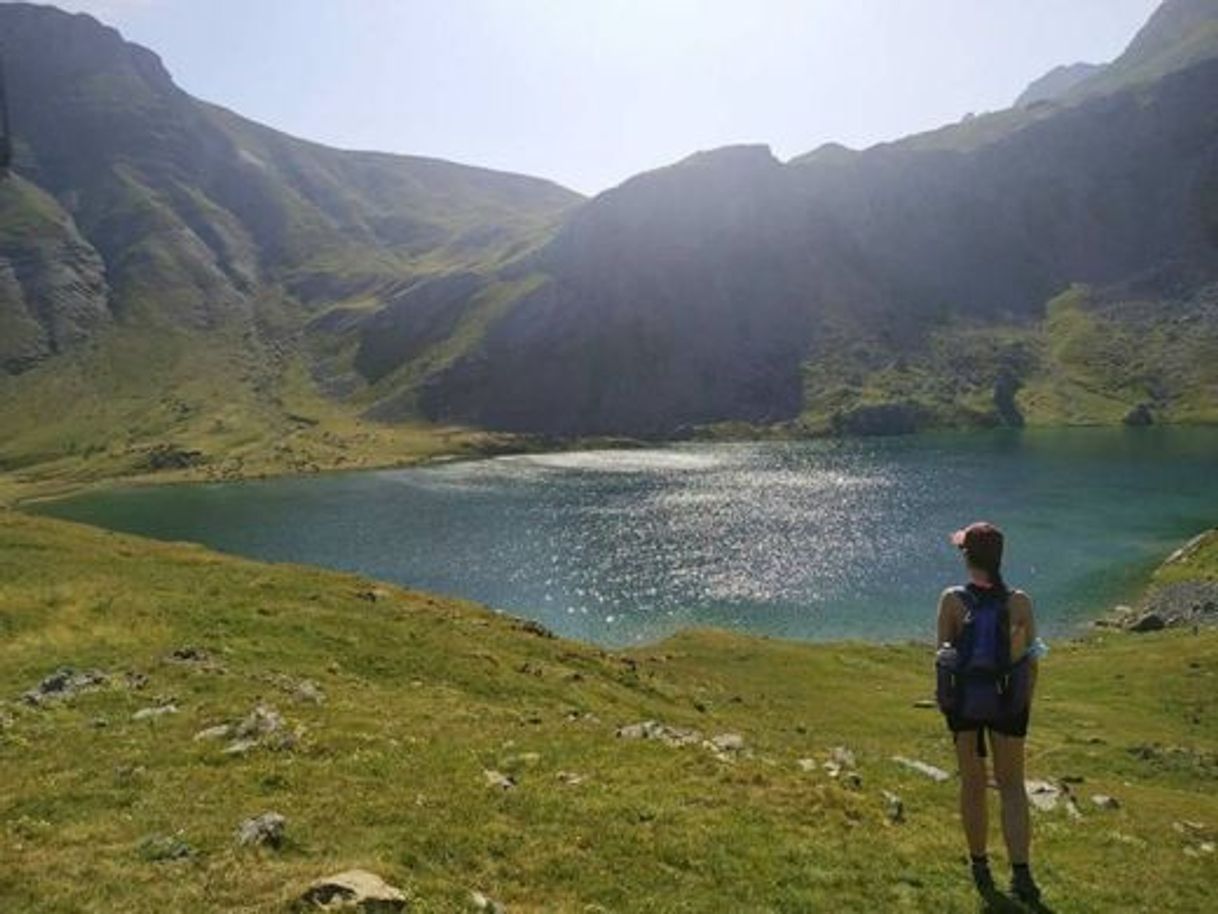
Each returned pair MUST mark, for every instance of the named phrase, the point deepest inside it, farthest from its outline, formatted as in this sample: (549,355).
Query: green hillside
(452,750)
(187,292)
(1097,357)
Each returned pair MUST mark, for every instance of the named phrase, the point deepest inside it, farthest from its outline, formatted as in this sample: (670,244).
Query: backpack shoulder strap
(964,647)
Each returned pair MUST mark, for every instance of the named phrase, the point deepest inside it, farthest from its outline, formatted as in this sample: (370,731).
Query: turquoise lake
(816,540)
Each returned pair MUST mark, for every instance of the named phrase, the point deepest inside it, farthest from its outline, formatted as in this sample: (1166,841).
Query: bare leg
(973,813)
(1009,773)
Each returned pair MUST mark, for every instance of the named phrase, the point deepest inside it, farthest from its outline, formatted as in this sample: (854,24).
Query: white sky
(589,92)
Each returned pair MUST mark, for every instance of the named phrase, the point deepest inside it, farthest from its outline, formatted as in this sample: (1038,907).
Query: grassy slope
(425,693)
(1088,361)
(249,406)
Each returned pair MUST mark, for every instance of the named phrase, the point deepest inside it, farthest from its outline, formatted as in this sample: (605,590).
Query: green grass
(1196,561)
(425,693)
(249,407)
(1089,360)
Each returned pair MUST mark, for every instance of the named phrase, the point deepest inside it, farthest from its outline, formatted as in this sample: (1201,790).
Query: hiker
(986,671)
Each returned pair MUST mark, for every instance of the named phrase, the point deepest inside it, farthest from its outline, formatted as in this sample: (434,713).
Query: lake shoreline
(16,490)
(789,615)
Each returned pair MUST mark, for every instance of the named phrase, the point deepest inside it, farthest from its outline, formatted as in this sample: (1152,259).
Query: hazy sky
(589,92)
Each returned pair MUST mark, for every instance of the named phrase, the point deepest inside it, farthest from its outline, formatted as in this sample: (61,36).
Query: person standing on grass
(986,671)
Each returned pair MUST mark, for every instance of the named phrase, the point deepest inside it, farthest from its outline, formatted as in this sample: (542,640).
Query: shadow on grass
(1001,904)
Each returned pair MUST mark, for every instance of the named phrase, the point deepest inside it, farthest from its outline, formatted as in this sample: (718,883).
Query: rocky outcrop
(1056,83)
(266,830)
(53,291)
(352,890)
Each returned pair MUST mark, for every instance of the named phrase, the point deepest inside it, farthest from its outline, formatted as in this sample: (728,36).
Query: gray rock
(353,890)
(938,775)
(894,807)
(842,756)
(189,654)
(1103,801)
(265,830)
(727,742)
(241,747)
(154,712)
(481,902)
(260,722)
(654,730)
(309,692)
(1139,415)
(221,731)
(64,683)
(499,779)
(1043,795)
(1148,622)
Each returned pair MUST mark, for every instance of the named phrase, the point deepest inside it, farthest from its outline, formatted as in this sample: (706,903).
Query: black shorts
(1011,726)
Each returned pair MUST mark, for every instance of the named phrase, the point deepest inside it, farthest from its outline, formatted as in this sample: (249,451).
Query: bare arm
(948,625)
(1023,631)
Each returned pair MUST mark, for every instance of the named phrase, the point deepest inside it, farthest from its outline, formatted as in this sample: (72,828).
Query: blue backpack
(980,684)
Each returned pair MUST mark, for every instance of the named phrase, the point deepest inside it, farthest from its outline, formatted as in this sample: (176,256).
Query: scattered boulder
(498,779)
(241,747)
(1103,801)
(263,727)
(727,742)
(353,890)
(570,778)
(1189,827)
(1047,795)
(265,830)
(171,457)
(1139,415)
(64,683)
(806,764)
(654,730)
(1148,622)
(218,732)
(938,775)
(894,807)
(309,692)
(840,766)
(261,722)
(1182,603)
(195,658)
(135,680)
(926,703)
(481,902)
(373,595)
(154,712)
(842,757)
(189,654)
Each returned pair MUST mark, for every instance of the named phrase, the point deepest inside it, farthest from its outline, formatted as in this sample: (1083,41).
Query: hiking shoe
(983,878)
(1024,887)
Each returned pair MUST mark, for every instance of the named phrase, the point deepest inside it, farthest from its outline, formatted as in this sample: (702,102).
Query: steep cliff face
(903,285)
(703,292)
(52,281)
(196,212)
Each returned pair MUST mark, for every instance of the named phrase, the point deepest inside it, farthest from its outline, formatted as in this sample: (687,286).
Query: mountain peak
(1173,23)
(1056,83)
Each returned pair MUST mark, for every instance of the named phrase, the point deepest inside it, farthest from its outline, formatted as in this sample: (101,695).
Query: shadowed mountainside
(177,277)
